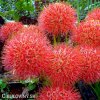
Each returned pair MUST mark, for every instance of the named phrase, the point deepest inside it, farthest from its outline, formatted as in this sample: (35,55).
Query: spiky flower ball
(57,18)
(27,55)
(65,69)
(91,64)
(58,93)
(87,33)
(32,29)
(9,29)
(94,14)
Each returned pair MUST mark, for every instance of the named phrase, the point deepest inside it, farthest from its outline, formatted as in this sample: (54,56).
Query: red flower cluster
(57,18)
(66,64)
(91,64)
(58,93)
(94,14)
(27,55)
(9,29)
(87,33)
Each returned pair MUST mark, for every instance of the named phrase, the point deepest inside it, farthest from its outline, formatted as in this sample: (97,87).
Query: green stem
(58,38)
(91,3)
(66,39)
(54,39)
(96,92)
(88,3)
(95,3)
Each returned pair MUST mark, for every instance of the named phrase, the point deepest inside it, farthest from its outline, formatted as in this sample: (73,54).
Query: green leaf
(31,86)
(2,14)
(1,82)
(3,86)
(35,80)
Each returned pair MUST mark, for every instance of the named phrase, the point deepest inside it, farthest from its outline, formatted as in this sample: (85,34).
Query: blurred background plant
(15,9)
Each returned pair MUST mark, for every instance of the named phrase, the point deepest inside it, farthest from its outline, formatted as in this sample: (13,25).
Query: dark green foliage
(14,9)
(96,88)
(2,85)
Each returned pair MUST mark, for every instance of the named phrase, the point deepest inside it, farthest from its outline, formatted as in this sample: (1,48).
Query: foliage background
(14,9)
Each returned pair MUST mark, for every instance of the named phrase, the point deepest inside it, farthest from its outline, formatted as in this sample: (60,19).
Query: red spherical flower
(27,55)
(32,29)
(57,18)
(94,14)
(58,93)
(9,29)
(65,69)
(91,64)
(87,33)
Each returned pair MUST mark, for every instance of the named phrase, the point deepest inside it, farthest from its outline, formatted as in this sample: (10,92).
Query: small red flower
(58,93)
(65,69)
(27,55)
(91,64)
(9,29)
(87,33)
(94,14)
(57,18)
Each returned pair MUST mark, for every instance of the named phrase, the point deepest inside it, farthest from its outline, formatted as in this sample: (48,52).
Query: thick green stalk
(54,39)
(59,38)
(66,39)
(96,90)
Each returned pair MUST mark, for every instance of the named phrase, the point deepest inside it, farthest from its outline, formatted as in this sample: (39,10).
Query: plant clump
(53,71)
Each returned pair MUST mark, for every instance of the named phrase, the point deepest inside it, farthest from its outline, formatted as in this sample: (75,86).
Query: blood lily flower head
(65,69)
(26,55)
(8,29)
(58,93)
(87,33)
(32,29)
(91,64)
(57,18)
(94,14)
